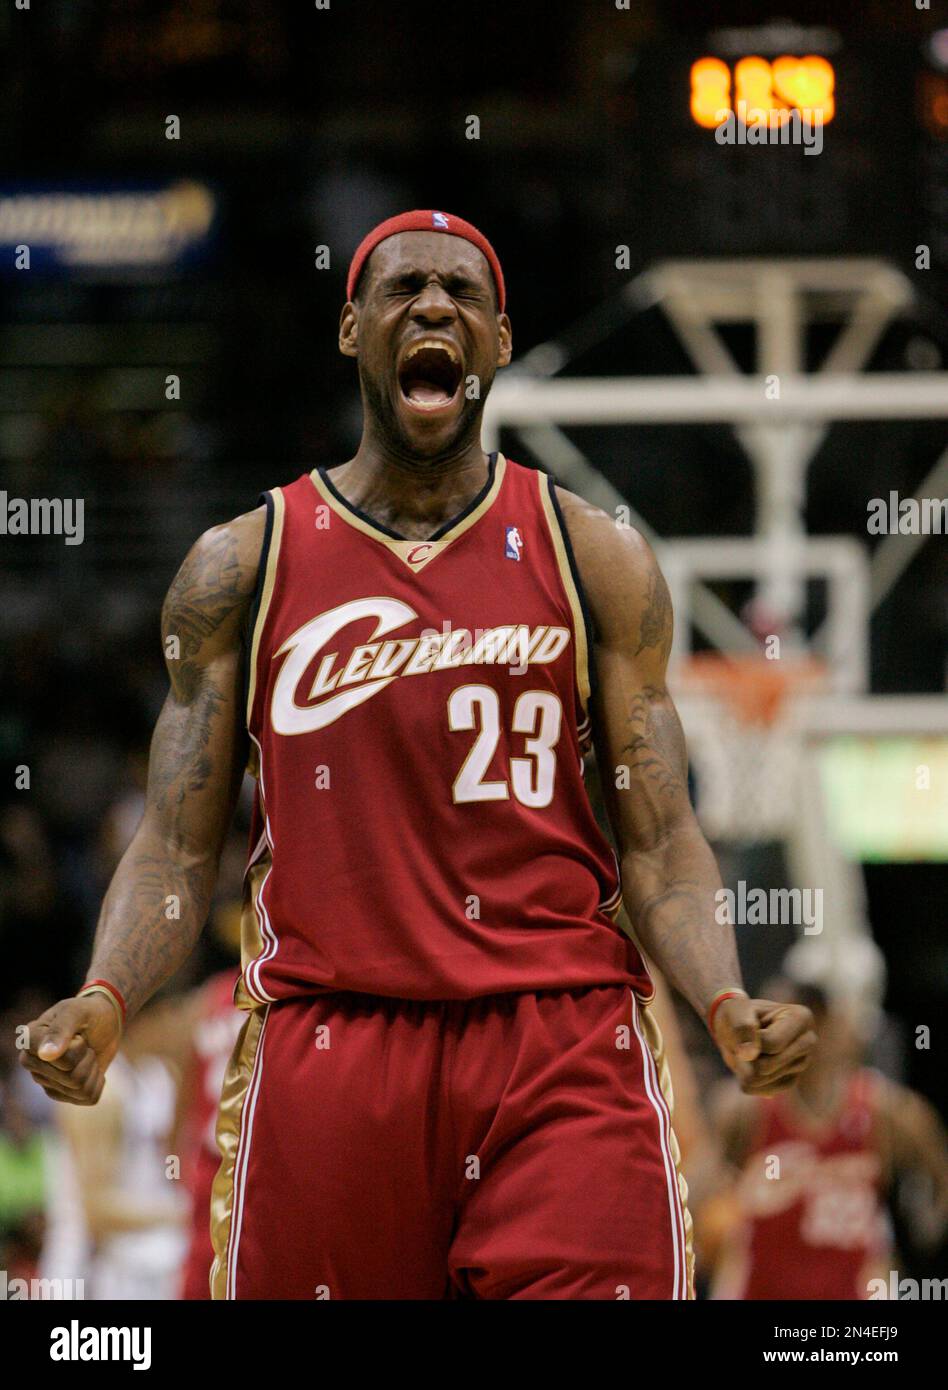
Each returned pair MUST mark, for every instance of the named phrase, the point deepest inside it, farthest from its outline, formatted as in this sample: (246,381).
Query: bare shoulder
(620,575)
(212,591)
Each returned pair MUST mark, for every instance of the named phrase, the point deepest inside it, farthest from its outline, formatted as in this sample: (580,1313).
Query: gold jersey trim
(624,922)
(583,685)
(266,593)
(251,937)
(414,554)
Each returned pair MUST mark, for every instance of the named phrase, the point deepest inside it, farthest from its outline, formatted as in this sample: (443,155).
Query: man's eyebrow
(398,277)
(465,279)
(456,276)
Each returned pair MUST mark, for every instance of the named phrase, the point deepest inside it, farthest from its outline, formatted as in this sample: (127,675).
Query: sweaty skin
(414,469)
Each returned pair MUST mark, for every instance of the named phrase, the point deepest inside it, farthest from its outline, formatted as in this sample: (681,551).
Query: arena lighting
(760,91)
(933,104)
(872,802)
(938,49)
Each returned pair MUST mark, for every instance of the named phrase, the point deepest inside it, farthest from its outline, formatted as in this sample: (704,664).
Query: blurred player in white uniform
(116,1215)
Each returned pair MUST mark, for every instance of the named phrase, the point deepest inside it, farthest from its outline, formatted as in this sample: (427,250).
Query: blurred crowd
(109,1195)
(78,731)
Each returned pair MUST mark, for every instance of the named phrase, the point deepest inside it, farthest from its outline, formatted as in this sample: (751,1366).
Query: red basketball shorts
(517,1146)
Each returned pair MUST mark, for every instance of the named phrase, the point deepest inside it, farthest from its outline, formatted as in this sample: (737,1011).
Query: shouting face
(428,339)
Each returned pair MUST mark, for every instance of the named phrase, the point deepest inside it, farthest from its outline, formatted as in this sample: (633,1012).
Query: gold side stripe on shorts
(656,1046)
(229,1117)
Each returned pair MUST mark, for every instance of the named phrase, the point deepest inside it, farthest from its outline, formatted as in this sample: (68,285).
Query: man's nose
(434,304)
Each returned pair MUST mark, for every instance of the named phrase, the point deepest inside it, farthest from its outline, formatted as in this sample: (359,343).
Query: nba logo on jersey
(438,219)
(513,542)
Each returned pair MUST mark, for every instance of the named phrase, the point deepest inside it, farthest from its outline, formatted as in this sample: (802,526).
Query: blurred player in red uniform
(450,1084)
(805,1217)
(214,1025)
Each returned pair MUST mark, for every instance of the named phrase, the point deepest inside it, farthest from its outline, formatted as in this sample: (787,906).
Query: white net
(747,774)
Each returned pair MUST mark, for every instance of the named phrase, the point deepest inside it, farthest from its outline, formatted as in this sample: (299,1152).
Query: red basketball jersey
(418,711)
(813,1227)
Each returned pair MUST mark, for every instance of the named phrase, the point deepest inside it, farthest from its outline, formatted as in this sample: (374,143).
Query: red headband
(426,221)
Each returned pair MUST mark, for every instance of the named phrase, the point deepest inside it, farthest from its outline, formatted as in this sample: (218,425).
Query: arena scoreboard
(785,140)
(761,92)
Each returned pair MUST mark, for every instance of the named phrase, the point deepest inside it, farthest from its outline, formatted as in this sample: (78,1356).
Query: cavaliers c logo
(286,715)
(418,553)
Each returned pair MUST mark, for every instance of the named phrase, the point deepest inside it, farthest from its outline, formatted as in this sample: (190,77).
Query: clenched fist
(70,1046)
(766,1045)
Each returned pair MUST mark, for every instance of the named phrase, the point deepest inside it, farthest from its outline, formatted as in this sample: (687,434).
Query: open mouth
(429,374)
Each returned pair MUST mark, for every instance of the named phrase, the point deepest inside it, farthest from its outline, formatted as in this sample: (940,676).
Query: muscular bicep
(199,746)
(197,758)
(640,746)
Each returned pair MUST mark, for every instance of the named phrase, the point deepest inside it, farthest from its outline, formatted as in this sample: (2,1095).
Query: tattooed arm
(669,875)
(159,896)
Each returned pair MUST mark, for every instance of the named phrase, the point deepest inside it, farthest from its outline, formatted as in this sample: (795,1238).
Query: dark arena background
(739,346)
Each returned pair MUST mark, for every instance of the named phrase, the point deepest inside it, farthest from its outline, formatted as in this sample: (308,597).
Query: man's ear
(348,329)
(505,335)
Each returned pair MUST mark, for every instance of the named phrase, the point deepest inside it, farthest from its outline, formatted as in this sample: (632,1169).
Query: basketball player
(449,1083)
(805,1214)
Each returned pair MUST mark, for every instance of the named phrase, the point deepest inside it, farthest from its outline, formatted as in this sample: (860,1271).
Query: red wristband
(718,1000)
(109,989)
